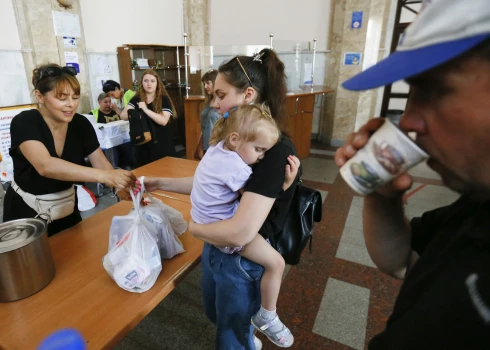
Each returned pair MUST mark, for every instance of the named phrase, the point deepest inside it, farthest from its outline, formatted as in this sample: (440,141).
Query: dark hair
(110,85)
(210,75)
(160,91)
(265,73)
(58,83)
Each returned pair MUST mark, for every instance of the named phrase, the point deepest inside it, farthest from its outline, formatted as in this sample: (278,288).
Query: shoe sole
(272,340)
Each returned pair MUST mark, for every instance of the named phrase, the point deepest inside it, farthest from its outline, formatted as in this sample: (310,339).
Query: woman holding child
(231,283)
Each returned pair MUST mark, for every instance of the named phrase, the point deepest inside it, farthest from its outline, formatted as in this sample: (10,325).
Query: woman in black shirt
(49,146)
(231,283)
(153,100)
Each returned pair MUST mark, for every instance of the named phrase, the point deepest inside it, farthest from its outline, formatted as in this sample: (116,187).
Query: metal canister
(26,262)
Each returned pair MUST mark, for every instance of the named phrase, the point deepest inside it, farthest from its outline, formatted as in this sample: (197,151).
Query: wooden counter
(82,295)
(299,105)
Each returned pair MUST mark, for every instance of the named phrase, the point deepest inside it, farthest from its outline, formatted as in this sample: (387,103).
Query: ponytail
(275,87)
(264,72)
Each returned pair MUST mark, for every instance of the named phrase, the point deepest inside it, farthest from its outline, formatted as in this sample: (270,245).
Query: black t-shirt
(444,302)
(164,135)
(267,180)
(103,118)
(81,141)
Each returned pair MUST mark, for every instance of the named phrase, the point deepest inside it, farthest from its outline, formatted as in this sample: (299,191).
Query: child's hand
(291,171)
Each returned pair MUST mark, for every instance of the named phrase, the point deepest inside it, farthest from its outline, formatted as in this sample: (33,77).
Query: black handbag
(305,209)
(140,127)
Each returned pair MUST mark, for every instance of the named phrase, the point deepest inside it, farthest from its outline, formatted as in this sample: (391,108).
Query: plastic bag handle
(137,197)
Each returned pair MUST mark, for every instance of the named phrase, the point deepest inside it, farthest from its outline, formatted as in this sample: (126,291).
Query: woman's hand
(124,194)
(142,105)
(118,178)
(151,184)
(291,171)
(357,140)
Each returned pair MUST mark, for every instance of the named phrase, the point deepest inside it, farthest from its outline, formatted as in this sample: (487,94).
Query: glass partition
(298,58)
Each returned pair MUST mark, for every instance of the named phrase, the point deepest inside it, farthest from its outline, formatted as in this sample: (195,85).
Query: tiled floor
(334,299)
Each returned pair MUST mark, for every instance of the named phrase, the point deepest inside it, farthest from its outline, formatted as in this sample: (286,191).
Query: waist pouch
(51,206)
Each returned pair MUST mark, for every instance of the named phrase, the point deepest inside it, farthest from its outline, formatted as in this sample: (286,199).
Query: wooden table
(82,295)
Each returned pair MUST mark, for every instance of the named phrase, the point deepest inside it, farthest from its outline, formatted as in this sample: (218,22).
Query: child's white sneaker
(275,330)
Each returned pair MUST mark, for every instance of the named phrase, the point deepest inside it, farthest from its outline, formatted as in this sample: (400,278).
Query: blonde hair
(248,121)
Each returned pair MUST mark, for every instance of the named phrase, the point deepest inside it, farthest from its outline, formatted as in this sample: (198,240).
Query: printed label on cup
(388,153)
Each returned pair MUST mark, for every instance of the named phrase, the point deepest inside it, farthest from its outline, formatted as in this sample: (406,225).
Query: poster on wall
(356,21)
(66,24)
(71,60)
(352,58)
(6,116)
(70,43)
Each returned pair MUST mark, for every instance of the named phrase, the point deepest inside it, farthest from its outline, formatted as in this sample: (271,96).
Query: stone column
(345,110)
(196,22)
(41,46)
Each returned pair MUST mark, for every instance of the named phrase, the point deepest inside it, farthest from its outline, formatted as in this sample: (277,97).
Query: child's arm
(291,171)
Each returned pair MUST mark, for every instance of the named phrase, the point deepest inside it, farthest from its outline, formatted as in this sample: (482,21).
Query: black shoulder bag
(141,129)
(306,208)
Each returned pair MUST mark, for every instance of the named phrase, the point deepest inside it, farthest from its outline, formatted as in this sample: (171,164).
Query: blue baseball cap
(443,30)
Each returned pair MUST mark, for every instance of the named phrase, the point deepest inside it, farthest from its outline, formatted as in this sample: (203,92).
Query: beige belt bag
(51,206)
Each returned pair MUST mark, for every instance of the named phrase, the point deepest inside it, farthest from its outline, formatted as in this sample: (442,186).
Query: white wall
(250,22)
(9,37)
(108,24)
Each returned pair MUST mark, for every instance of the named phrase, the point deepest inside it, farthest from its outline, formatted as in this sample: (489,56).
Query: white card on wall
(71,60)
(70,43)
(66,24)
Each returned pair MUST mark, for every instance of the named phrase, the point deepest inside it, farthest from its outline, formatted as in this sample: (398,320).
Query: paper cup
(388,153)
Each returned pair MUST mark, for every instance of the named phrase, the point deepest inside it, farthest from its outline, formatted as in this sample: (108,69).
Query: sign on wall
(66,24)
(352,58)
(356,21)
(6,116)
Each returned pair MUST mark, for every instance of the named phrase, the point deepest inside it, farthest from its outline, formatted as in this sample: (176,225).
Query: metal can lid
(18,233)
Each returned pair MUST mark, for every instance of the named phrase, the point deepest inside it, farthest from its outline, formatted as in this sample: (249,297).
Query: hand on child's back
(291,171)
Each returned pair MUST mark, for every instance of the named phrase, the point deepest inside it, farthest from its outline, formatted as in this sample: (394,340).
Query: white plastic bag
(133,260)
(156,213)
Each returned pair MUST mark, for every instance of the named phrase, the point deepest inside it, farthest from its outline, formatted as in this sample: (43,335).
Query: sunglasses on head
(56,72)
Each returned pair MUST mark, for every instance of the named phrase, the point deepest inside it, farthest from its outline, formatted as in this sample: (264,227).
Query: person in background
(120,97)
(122,155)
(49,146)
(209,115)
(443,256)
(152,99)
(104,113)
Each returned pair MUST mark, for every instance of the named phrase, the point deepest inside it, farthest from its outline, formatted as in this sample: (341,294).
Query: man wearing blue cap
(443,256)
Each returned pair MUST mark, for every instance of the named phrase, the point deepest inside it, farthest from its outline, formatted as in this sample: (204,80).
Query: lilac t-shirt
(219,175)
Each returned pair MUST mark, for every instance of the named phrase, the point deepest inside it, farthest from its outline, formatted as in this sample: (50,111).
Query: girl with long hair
(152,99)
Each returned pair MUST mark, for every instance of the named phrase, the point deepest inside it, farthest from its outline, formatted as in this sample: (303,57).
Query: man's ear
(233,139)
(39,96)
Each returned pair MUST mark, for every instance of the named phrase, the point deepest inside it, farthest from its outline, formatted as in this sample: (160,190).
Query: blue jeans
(231,294)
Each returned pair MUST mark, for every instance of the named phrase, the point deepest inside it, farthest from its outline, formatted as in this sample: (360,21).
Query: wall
(8,25)
(111,23)
(249,23)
